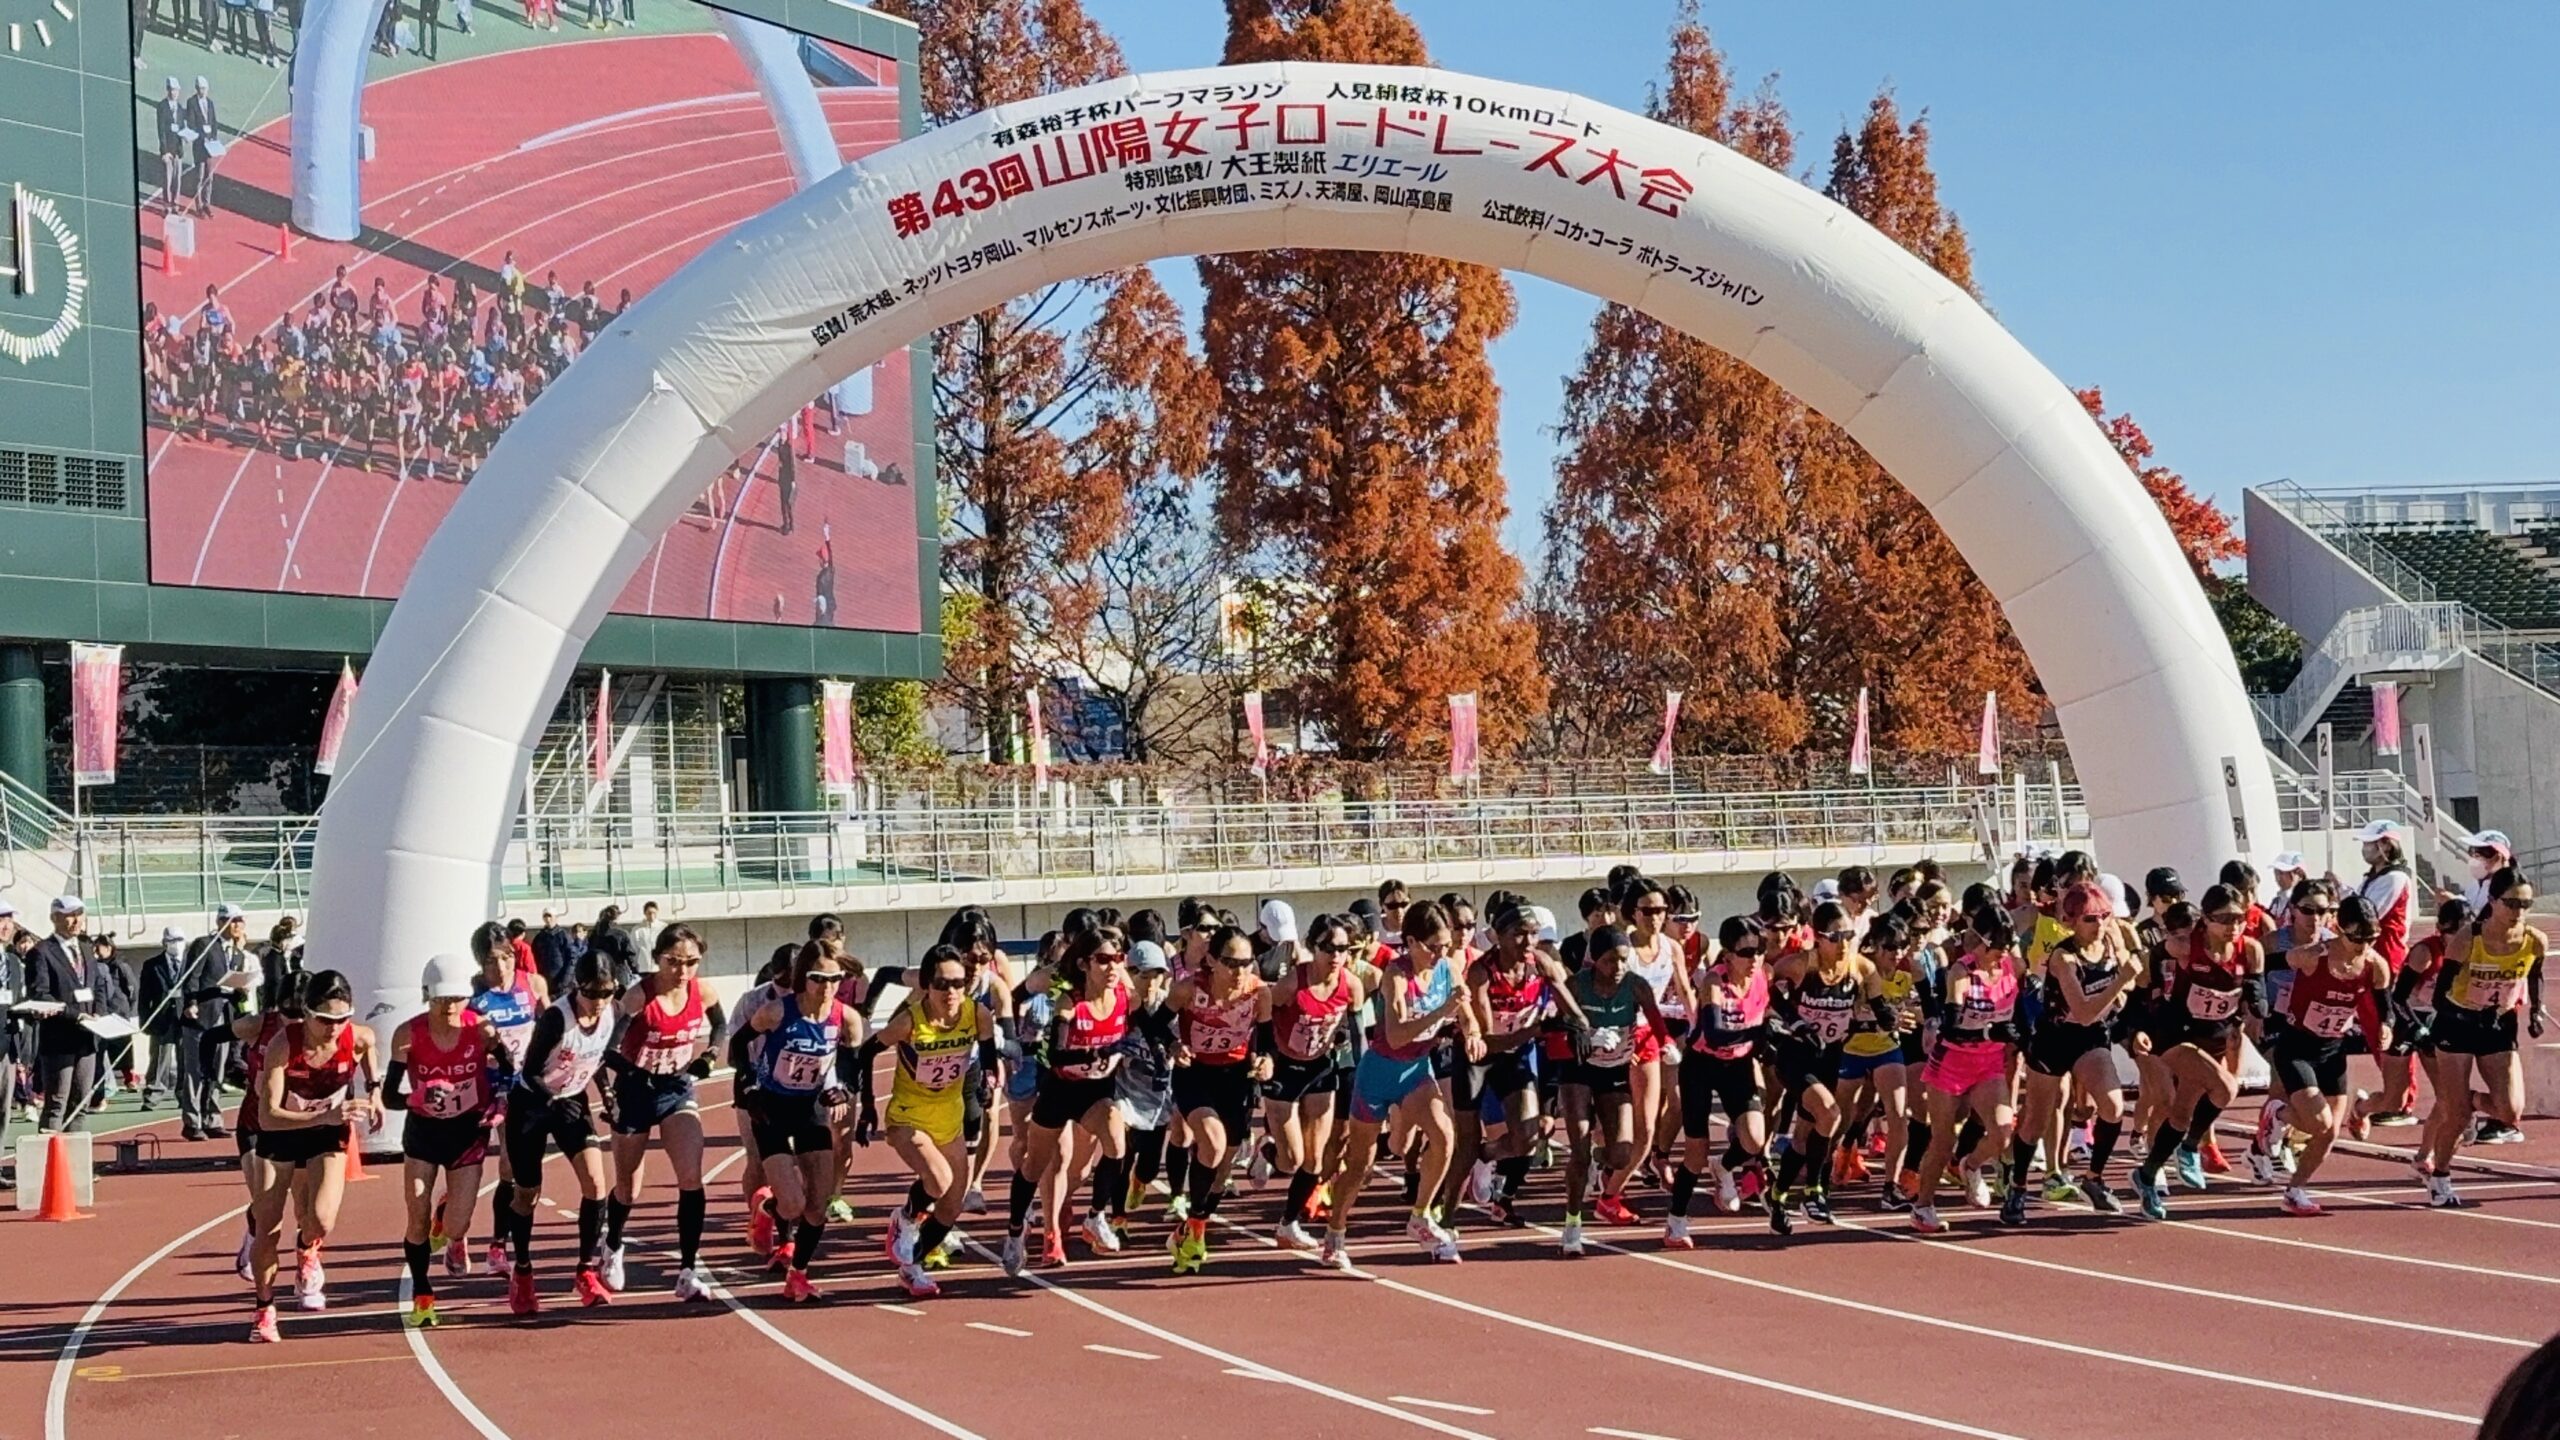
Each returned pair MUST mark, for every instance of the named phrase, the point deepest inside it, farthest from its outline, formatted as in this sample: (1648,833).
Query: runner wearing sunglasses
(670,1019)
(1970,1072)
(2338,988)
(1225,1022)
(507,995)
(936,1035)
(1312,1008)
(2088,973)
(1421,994)
(1817,999)
(2487,990)
(2222,976)
(316,1086)
(1722,1066)
(1663,963)
(1091,1001)
(554,1104)
(809,1034)
(1514,990)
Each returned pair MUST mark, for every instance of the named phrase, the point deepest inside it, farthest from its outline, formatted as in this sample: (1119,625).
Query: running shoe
(309,1289)
(2272,1118)
(422,1313)
(919,1285)
(611,1267)
(1924,1219)
(1134,1202)
(1097,1233)
(779,1260)
(591,1290)
(2100,1195)
(2013,1206)
(457,1259)
(2155,1200)
(1053,1255)
(1817,1207)
(1480,1183)
(1728,1192)
(435,1233)
(1178,1209)
(2493,1132)
(520,1294)
(1894,1199)
(1012,1257)
(1675,1234)
(1977,1186)
(1419,1229)
(840,1211)
(1293,1236)
(262,1329)
(2262,1168)
(1570,1240)
(2215,1163)
(762,1227)
(2440,1194)
(499,1263)
(248,1242)
(2359,1125)
(1875,1144)
(1503,1211)
(1851,1167)
(690,1286)
(2298,1201)
(1446,1252)
(796,1287)
(902,1235)
(974,1202)
(1613,1210)
(2190,1170)
(943,1254)
(1190,1247)
(1779,1221)
(1259,1170)
(2394,1119)
(1335,1253)
(2060,1189)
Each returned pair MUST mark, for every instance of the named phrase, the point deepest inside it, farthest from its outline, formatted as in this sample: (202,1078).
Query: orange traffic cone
(57,1182)
(355,1158)
(284,241)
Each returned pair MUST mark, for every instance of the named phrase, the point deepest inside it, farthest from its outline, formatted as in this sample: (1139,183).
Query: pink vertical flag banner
(1464,762)
(1253,728)
(1860,762)
(97,682)
(835,735)
(1039,740)
(1988,762)
(600,763)
(1670,724)
(2386,717)
(333,726)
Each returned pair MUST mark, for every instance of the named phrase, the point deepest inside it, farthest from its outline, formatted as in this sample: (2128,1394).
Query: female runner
(808,1035)
(2336,988)
(1815,999)
(1663,963)
(316,1085)
(669,1021)
(1420,993)
(1089,1002)
(2156,1027)
(937,1035)
(1970,1072)
(1599,1085)
(1225,1050)
(507,995)
(452,1056)
(550,1103)
(2223,975)
(2490,981)
(256,1033)
(1311,1007)
(1514,989)
(1722,1066)
(2087,975)
(1873,1070)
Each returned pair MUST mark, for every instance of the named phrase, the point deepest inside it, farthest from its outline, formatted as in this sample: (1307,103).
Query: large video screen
(527,170)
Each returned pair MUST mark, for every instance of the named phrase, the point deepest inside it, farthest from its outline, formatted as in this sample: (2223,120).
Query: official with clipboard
(66,1053)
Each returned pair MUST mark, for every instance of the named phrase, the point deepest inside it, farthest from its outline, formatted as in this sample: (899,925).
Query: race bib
(301,1104)
(1609,1046)
(1209,1037)
(665,1059)
(445,1100)
(2501,994)
(799,1070)
(2213,1005)
(1312,1036)
(2327,1021)
(568,1073)
(1829,1027)
(941,1071)
(1511,1022)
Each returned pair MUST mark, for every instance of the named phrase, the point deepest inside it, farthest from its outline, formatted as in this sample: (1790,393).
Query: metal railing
(2361,637)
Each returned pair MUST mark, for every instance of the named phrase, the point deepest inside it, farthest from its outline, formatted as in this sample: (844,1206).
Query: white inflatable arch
(502,602)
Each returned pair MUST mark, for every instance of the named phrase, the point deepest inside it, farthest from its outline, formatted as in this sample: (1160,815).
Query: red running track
(658,148)
(2380,1319)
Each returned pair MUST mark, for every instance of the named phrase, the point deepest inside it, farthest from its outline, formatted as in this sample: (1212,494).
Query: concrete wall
(2514,744)
(2295,574)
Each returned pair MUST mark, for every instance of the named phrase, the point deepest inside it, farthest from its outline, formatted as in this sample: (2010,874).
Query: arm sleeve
(1262,1041)
(549,1029)
(860,1078)
(395,1092)
(2253,994)
(2369,1017)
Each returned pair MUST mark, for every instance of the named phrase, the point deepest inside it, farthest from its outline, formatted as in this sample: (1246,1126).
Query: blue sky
(2309,241)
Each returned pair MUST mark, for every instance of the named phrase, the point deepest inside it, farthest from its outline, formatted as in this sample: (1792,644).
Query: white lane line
(1240,1365)
(443,1382)
(58,1393)
(1123,1354)
(1680,1362)
(2038,1342)
(2196,1292)
(1449,1405)
(999,1329)
(897,1309)
(205,550)
(1611,1430)
(2387,1256)
(2468,1212)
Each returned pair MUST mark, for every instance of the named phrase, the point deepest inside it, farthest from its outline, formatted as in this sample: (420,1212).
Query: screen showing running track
(527,169)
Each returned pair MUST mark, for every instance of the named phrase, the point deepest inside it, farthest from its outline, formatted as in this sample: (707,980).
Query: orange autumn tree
(1356,453)
(1668,540)
(1052,410)
(2204,532)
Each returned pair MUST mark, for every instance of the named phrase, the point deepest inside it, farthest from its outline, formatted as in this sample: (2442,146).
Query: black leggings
(1706,1081)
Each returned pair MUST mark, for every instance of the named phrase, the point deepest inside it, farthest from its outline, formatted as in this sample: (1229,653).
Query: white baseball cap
(1545,920)
(2381,830)
(7,910)
(2492,840)
(2287,860)
(1826,890)
(172,935)
(2115,896)
(1279,922)
(227,912)
(449,977)
(69,905)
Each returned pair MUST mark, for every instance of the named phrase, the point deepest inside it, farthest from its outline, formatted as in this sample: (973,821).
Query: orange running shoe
(2214,1163)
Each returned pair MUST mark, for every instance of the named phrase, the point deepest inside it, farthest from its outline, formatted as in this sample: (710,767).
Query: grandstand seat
(2493,574)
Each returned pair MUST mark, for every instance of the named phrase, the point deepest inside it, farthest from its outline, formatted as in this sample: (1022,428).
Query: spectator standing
(430,20)
(279,962)
(788,489)
(111,978)
(555,954)
(607,938)
(217,973)
(160,1006)
(644,936)
(66,1053)
(172,114)
(13,987)
(205,118)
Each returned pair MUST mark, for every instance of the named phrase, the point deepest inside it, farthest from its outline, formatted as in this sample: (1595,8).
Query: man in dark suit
(218,971)
(204,118)
(66,1053)
(13,988)
(160,1006)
